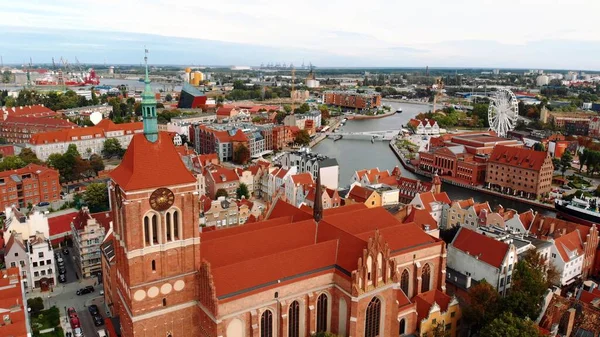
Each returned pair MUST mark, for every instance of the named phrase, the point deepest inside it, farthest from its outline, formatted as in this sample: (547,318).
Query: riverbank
(411,168)
(322,136)
(362,117)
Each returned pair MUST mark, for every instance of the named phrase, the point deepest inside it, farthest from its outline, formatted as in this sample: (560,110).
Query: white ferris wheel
(503,112)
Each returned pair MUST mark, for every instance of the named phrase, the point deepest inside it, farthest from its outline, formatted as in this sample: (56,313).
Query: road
(64,296)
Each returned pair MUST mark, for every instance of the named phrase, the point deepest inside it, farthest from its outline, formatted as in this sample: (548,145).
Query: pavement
(64,296)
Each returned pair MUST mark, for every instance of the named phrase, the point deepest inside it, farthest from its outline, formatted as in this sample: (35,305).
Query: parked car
(98,320)
(93,309)
(86,290)
(75,322)
(71,312)
(62,278)
(43,203)
(77,332)
(62,270)
(65,251)
(101,333)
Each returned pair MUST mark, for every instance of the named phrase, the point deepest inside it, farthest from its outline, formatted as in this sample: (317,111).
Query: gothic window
(372,318)
(402,329)
(176,225)
(266,324)
(426,278)
(322,313)
(168,218)
(154,229)
(294,320)
(147,230)
(404,281)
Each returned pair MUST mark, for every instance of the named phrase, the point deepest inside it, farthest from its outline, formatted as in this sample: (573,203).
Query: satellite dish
(96,117)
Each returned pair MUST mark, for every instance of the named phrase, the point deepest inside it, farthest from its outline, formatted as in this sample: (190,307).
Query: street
(64,296)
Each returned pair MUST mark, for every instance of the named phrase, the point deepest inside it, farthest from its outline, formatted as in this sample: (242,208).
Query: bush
(36,305)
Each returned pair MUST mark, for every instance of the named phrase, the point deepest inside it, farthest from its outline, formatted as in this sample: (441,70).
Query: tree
(95,100)
(221,192)
(96,163)
(304,108)
(96,197)
(439,330)
(484,305)
(537,262)
(29,156)
(242,191)
(112,148)
(526,292)
(302,138)
(12,163)
(508,325)
(280,117)
(241,154)
(539,147)
(3,141)
(36,304)
(565,162)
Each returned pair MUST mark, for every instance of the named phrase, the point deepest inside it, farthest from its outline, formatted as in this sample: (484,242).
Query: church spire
(149,107)
(318,206)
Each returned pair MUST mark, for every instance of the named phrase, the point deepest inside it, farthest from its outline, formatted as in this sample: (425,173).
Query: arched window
(425,278)
(404,281)
(402,329)
(176,225)
(322,313)
(168,218)
(147,230)
(266,324)
(294,320)
(154,229)
(372,318)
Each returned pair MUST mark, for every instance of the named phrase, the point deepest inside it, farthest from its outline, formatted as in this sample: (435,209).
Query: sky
(548,34)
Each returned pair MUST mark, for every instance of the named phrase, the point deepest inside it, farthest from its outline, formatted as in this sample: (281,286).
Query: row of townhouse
(89,140)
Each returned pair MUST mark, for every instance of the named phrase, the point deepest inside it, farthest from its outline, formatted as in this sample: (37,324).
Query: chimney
(571,313)
(468,284)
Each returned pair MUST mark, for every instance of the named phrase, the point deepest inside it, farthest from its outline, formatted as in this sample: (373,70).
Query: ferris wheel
(503,112)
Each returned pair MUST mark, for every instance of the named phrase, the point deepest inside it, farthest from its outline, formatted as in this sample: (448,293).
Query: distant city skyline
(382,33)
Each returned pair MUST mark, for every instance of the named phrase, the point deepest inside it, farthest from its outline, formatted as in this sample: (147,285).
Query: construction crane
(293,92)
(53,65)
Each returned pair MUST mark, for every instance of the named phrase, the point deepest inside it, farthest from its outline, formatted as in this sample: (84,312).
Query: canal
(355,155)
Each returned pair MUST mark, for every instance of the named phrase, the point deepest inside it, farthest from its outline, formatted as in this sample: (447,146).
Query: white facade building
(41,262)
(15,255)
(26,226)
(310,162)
(567,254)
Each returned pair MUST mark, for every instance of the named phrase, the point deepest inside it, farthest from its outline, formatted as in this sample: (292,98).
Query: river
(355,155)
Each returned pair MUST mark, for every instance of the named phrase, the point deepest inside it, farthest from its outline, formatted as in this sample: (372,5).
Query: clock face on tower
(162,199)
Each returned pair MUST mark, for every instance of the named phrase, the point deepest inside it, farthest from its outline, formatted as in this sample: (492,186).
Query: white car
(101,333)
(77,332)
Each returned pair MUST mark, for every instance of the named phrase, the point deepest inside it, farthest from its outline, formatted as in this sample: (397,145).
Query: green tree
(280,116)
(96,197)
(526,292)
(112,148)
(36,304)
(221,192)
(3,141)
(304,108)
(96,163)
(484,305)
(302,138)
(12,163)
(537,262)
(95,100)
(539,147)
(242,191)
(287,108)
(29,156)
(241,154)
(565,162)
(508,325)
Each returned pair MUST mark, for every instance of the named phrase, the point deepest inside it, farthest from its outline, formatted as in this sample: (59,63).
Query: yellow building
(440,312)
(359,194)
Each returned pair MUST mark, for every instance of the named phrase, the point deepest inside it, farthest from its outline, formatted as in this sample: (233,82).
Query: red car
(71,312)
(75,322)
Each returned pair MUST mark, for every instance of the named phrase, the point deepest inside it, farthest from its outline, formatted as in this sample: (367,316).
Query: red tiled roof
(31,168)
(421,217)
(359,193)
(284,209)
(485,248)
(225,111)
(590,296)
(402,299)
(526,218)
(108,125)
(281,173)
(104,219)
(570,242)
(478,207)
(61,224)
(148,165)
(302,179)
(239,136)
(52,123)
(205,203)
(11,303)
(428,197)
(541,226)
(223,174)
(425,302)
(65,135)
(514,156)
(30,111)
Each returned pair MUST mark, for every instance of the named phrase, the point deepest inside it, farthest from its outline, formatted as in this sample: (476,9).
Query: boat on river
(582,210)
(399,110)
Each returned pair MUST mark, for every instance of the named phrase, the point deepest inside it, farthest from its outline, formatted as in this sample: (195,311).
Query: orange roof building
(479,257)
(12,306)
(41,184)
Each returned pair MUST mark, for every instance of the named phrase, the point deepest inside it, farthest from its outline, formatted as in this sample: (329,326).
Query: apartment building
(88,231)
(29,185)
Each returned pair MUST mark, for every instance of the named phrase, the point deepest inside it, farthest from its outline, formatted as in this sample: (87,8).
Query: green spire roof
(149,108)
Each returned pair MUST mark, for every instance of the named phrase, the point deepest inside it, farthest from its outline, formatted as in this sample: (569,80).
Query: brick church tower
(156,230)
